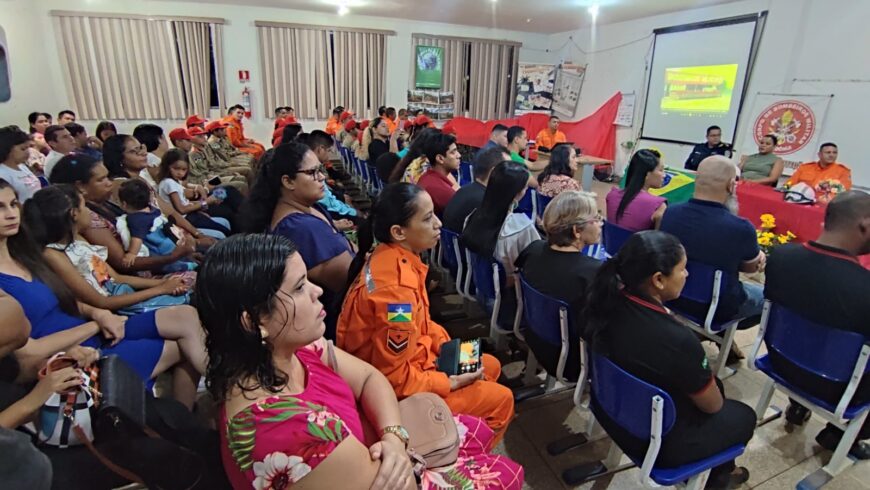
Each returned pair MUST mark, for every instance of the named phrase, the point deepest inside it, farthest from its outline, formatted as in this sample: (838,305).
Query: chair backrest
(626,399)
(614,237)
(449,243)
(526,204)
(541,204)
(825,351)
(481,272)
(466,176)
(542,313)
(700,285)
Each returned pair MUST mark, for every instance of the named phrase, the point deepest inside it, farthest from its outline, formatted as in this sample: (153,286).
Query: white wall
(37,82)
(803,39)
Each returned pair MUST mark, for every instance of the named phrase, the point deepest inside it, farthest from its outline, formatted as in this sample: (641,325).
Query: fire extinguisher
(246,102)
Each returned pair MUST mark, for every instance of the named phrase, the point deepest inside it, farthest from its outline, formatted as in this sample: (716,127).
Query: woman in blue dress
(150,343)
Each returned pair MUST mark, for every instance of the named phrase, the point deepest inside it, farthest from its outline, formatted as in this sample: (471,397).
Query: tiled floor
(776,458)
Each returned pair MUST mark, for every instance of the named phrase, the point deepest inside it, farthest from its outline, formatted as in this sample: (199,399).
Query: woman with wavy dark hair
(284,201)
(151,343)
(633,207)
(628,323)
(288,412)
(558,175)
(105,129)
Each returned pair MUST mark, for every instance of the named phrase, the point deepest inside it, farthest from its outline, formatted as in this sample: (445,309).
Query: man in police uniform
(713,146)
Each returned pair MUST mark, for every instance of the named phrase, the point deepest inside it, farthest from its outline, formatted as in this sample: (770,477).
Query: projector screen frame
(759,18)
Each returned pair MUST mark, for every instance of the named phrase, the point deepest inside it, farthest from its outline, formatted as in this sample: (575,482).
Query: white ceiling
(542,16)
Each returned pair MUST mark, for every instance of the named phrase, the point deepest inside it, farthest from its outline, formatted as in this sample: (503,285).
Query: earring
(263,336)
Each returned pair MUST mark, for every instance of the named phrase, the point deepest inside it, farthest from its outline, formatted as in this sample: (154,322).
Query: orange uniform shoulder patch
(398,340)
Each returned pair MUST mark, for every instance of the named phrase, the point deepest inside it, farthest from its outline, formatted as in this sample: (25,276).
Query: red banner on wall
(595,134)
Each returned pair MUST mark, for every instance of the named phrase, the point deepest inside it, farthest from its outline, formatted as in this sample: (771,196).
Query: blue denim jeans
(754,303)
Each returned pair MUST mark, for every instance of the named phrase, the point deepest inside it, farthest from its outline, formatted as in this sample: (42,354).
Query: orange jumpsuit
(332,126)
(385,321)
(236,135)
(812,174)
(548,139)
(392,125)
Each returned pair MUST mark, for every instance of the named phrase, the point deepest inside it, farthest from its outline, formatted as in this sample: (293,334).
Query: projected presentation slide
(698,90)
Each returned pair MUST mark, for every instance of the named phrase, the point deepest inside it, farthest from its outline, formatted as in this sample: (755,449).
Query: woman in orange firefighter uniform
(385,316)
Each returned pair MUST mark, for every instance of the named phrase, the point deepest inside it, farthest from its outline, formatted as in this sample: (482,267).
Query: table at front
(804,220)
(583,175)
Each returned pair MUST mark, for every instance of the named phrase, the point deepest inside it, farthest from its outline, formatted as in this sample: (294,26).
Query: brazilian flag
(399,313)
(679,186)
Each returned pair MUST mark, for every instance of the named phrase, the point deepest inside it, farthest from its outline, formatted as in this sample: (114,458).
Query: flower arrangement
(767,239)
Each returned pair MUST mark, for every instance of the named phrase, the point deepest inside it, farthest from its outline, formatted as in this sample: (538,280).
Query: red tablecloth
(803,220)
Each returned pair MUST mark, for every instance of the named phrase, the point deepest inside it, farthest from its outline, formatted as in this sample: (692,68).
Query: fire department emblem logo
(793,123)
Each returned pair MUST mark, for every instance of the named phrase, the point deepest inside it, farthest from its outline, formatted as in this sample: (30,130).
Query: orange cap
(196,131)
(179,134)
(195,120)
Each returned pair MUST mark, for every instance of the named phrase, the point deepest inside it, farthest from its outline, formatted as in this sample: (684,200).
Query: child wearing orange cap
(219,142)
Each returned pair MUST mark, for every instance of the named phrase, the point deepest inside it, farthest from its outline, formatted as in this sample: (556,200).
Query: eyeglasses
(313,172)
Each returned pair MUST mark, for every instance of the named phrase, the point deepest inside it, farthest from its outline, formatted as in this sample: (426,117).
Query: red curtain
(594,134)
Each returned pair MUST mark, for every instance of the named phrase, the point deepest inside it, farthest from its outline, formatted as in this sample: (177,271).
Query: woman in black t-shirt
(558,268)
(627,322)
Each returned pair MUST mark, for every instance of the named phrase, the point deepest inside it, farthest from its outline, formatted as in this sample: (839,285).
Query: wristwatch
(398,431)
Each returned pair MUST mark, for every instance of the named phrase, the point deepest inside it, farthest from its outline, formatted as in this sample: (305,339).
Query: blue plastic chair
(549,319)
(465,174)
(541,202)
(450,258)
(527,204)
(614,237)
(834,354)
(489,281)
(647,412)
(705,285)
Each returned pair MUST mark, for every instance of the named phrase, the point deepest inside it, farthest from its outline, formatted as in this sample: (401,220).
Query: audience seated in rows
(469,196)
(764,167)
(332,124)
(494,231)
(173,188)
(391,283)
(377,140)
(206,164)
(14,146)
(236,132)
(91,178)
(286,132)
(264,363)
(105,130)
(558,268)
(497,138)
(150,343)
(221,144)
(414,163)
(56,216)
(284,202)
(633,207)
(344,215)
(443,158)
(38,123)
(823,282)
(712,234)
(827,170)
(558,175)
(549,137)
(152,138)
(628,323)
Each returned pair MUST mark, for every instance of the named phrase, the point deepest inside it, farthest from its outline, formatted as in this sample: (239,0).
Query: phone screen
(469,356)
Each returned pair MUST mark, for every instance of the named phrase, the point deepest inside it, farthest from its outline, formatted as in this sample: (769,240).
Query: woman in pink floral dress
(289,419)
(558,175)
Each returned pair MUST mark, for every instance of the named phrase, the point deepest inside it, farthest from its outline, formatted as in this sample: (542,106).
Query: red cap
(195,120)
(196,131)
(351,125)
(215,125)
(422,121)
(179,134)
(364,124)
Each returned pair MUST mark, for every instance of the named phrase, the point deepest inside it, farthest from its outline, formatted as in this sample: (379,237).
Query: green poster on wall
(430,67)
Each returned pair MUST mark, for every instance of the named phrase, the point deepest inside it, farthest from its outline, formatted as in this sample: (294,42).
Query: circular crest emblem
(792,121)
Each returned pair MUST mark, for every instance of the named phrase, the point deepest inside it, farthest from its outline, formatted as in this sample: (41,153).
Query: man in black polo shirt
(469,197)
(824,282)
(712,234)
(713,146)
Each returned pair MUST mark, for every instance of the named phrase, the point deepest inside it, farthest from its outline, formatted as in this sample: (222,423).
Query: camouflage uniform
(230,153)
(201,170)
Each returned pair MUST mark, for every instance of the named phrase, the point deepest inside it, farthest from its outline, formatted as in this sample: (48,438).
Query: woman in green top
(763,167)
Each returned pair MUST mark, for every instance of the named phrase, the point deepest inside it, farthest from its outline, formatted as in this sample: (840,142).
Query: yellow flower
(782,239)
(769,235)
(764,241)
(791,235)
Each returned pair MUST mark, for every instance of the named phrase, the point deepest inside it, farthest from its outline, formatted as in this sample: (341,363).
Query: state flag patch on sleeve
(397,340)
(399,313)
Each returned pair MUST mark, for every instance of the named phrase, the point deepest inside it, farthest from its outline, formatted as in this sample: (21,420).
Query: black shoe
(727,481)
(829,438)
(797,414)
